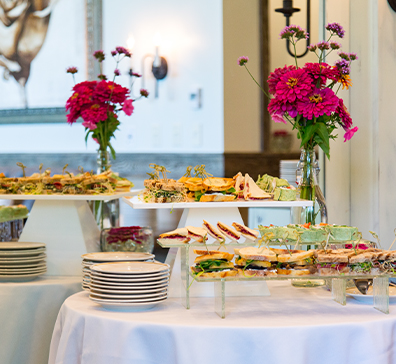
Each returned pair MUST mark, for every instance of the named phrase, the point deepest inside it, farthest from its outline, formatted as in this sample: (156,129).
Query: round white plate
(117,256)
(99,294)
(127,306)
(127,289)
(20,277)
(38,258)
(20,245)
(129,300)
(132,279)
(125,282)
(21,253)
(25,266)
(4,272)
(130,267)
(109,275)
(354,292)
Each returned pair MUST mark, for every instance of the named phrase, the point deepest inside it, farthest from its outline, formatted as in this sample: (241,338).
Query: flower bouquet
(307,98)
(99,103)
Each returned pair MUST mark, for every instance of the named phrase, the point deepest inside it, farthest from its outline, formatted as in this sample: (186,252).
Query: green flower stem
(265,93)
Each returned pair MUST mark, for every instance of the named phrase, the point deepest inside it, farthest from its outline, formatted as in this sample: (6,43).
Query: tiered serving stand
(66,225)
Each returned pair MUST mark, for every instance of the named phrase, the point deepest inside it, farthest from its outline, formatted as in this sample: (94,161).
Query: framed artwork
(39,39)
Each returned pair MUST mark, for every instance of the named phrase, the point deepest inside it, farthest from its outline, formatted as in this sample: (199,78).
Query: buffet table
(293,325)
(28,312)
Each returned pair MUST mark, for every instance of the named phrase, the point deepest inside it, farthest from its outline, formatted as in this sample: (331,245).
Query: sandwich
(176,236)
(8,185)
(331,262)
(295,262)
(228,231)
(245,231)
(216,189)
(97,184)
(213,264)
(121,184)
(213,231)
(239,185)
(255,262)
(252,191)
(198,234)
(164,190)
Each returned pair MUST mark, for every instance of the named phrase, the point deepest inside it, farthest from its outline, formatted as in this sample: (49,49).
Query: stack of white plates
(107,257)
(21,262)
(129,285)
(288,171)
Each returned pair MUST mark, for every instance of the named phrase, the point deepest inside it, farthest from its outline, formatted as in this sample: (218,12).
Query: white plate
(20,245)
(27,266)
(20,277)
(354,292)
(16,260)
(125,282)
(100,294)
(117,256)
(21,271)
(127,306)
(129,280)
(129,300)
(21,253)
(130,267)
(109,275)
(117,290)
(114,288)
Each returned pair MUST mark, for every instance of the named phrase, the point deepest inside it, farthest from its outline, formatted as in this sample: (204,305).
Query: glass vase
(307,178)
(106,213)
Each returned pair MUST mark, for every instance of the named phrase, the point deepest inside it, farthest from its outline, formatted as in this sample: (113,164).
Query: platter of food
(82,186)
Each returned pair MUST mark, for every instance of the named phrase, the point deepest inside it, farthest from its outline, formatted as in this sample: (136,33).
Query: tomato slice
(58,185)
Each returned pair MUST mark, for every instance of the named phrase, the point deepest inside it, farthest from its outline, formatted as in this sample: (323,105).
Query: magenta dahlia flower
(343,113)
(349,133)
(318,103)
(275,77)
(294,85)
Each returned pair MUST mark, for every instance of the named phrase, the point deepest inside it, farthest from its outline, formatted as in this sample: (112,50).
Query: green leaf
(112,151)
(323,133)
(323,146)
(308,133)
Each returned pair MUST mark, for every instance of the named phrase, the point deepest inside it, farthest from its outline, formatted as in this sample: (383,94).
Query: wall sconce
(160,65)
(288,11)
(392,4)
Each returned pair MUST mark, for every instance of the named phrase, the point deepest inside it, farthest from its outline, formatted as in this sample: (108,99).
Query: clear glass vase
(307,178)
(106,213)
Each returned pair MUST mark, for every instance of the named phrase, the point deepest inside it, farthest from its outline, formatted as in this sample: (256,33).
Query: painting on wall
(39,39)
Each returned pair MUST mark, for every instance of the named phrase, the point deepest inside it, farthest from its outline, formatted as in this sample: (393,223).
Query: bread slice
(219,274)
(334,271)
(218,183)
(239,184)
(332,258)
(211,255)
(254,263)
(213,231)
(362,258)
(197,233)
(253,253)
(228,231)
(213,197)
(257,272)
(294,257)
(179,235)
(245,231)
(252,191)
(293,272)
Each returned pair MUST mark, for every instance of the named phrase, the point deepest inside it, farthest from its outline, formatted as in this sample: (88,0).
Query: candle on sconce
(130,45)
(157,42)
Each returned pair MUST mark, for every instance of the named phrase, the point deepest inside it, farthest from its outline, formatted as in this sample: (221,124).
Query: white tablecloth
(294,325)
(28,313)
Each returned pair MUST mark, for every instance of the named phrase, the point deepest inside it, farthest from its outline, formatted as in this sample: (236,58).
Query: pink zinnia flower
(318,103)
(321,71)
(278,106)
(346,120)
(278,118)
(95,113)
(275,77)
(349,133)
(91,126)
(294,85)
(128,107)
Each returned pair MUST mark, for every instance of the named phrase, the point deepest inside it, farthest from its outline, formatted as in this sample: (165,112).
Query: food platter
(137,203)
(101,197)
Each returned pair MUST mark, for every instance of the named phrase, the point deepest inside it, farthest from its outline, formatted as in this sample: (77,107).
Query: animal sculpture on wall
(23,28)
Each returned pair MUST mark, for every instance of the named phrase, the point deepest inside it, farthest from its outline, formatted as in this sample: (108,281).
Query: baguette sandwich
(213,264)
(255,262)
(295,262)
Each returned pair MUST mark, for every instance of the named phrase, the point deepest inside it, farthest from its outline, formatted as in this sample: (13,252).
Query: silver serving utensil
(363,285)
